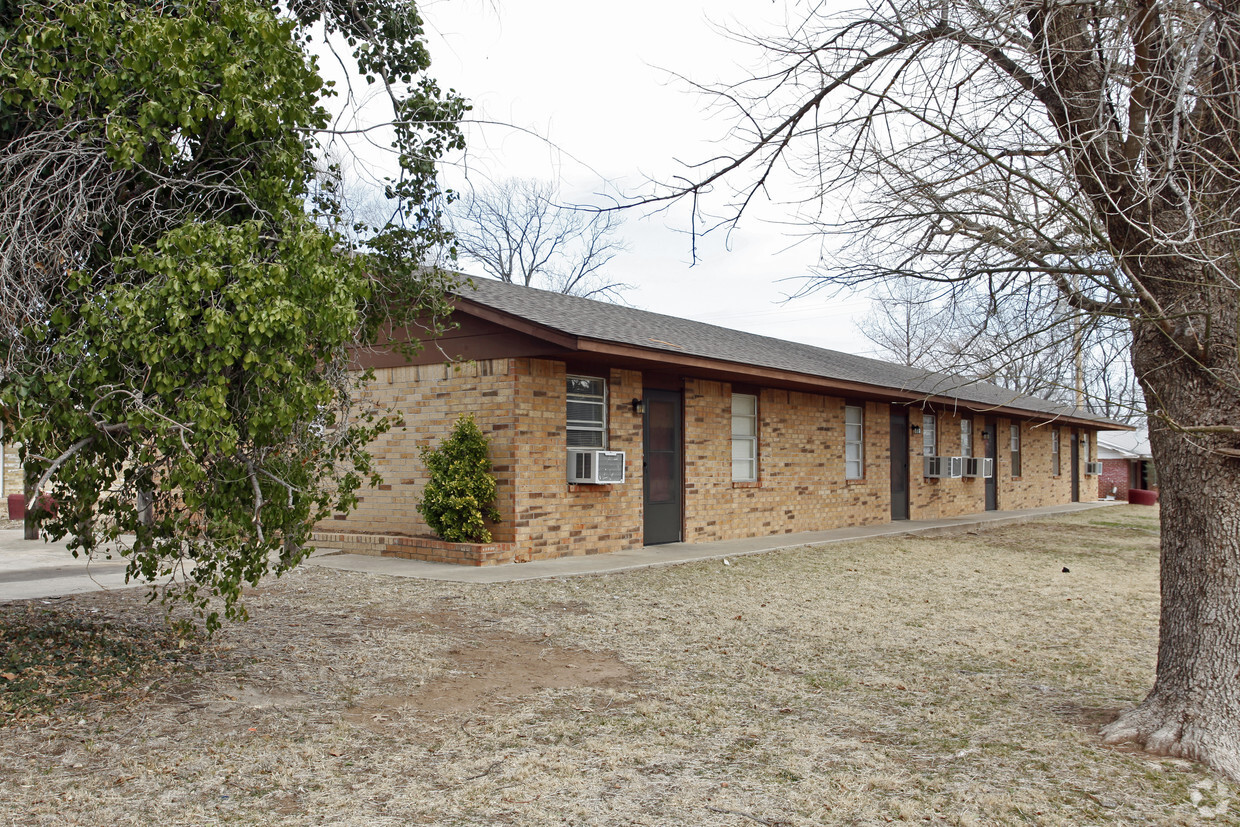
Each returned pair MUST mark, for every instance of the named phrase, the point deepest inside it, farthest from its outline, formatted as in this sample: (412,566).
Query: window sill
(582,488)
(746,483)
(861,481)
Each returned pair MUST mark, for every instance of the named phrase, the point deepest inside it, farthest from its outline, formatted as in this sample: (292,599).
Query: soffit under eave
(708,368)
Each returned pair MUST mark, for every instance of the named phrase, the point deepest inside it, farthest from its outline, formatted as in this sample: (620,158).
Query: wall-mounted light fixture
(916,429)
(638,406)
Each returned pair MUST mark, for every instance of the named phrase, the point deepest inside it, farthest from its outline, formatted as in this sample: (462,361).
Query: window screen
(1015,439)
(744,437)
(854,456)
(587,412)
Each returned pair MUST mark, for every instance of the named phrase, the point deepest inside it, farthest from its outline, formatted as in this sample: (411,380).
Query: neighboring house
(723,434)
(1126,463)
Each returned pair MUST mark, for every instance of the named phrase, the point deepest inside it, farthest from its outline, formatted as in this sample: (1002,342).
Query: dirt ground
(958,680)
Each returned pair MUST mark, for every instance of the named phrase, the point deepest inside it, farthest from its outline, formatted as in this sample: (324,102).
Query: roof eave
(838,387)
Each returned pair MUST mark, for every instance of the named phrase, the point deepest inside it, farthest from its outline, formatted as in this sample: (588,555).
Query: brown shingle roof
(604,322)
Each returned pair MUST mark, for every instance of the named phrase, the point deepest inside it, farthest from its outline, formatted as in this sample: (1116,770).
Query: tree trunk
(29,524)
(1193,711)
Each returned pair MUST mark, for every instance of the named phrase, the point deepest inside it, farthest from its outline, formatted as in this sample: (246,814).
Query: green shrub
(461,491)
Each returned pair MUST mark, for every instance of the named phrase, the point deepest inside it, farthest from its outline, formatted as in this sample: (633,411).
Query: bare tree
(906,322)
(1083,145)
(1030,343)
(520,233)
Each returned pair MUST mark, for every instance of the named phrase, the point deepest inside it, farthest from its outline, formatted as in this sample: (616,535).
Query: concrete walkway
(673,554)
(36,569)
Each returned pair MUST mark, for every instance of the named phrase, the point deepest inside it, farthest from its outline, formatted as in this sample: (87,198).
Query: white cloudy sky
(585,93)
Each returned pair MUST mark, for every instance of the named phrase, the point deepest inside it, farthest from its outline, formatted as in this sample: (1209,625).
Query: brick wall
(10,470)
(801,482)
(520,405)
(1116,473)
(551,517)
(1035,486)
(932,498)
(430,398)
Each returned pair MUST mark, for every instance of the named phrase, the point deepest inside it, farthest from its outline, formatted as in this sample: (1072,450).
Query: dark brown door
(990,444)
(899,463)
(662,473)
(1076,470)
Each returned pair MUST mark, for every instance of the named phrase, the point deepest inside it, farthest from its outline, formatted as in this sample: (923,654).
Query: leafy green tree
(460,493)
(180,289)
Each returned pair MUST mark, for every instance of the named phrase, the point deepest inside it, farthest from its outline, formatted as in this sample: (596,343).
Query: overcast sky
(585,93)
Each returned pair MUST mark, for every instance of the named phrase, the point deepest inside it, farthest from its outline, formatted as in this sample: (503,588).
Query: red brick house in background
(1126,463)
(691,432)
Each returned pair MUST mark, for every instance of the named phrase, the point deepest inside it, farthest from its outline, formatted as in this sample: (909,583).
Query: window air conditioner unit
(1093,469)
(595,467)
(944,467)
(983,467)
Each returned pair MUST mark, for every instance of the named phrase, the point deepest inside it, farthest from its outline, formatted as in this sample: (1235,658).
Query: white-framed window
(1015,447)
(1054,452)
(587,412)
(854,446)
(1085,448)
(929,435)
(966,437)
(744,437)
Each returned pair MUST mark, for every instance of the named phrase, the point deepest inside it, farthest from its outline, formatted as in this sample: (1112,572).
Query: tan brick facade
(520,405)
(801,484)
(10,471)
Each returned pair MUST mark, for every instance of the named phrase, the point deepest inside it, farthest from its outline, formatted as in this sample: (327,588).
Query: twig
(487,771)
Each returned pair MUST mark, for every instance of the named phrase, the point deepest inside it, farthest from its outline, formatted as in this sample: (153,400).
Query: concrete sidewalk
(675,553)
(34,569)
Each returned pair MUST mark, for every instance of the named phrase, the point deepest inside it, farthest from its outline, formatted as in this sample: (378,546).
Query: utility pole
(1078,349)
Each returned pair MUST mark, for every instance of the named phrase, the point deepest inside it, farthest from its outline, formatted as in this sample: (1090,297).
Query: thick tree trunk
(1193,710)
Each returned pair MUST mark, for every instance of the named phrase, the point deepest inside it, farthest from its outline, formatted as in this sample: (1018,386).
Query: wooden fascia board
(517,323)
(836,387)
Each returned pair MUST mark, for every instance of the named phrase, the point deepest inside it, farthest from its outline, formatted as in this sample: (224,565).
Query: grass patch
(955,680)
(56,660)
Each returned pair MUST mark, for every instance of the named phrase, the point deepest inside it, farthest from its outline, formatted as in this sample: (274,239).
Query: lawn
(954,680)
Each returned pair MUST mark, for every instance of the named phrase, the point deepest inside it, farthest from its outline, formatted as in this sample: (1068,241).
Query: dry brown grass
(958,680)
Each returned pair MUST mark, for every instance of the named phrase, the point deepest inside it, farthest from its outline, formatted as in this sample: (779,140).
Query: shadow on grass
(53,660)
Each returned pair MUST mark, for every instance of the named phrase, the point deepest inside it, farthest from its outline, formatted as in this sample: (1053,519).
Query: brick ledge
(430,549)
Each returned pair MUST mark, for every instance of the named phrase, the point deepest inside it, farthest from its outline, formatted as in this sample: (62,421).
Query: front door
(990,444)
(661,466)
(1076,470)
(899,463)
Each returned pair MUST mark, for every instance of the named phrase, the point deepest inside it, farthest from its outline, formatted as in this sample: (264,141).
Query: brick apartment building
(724,434)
